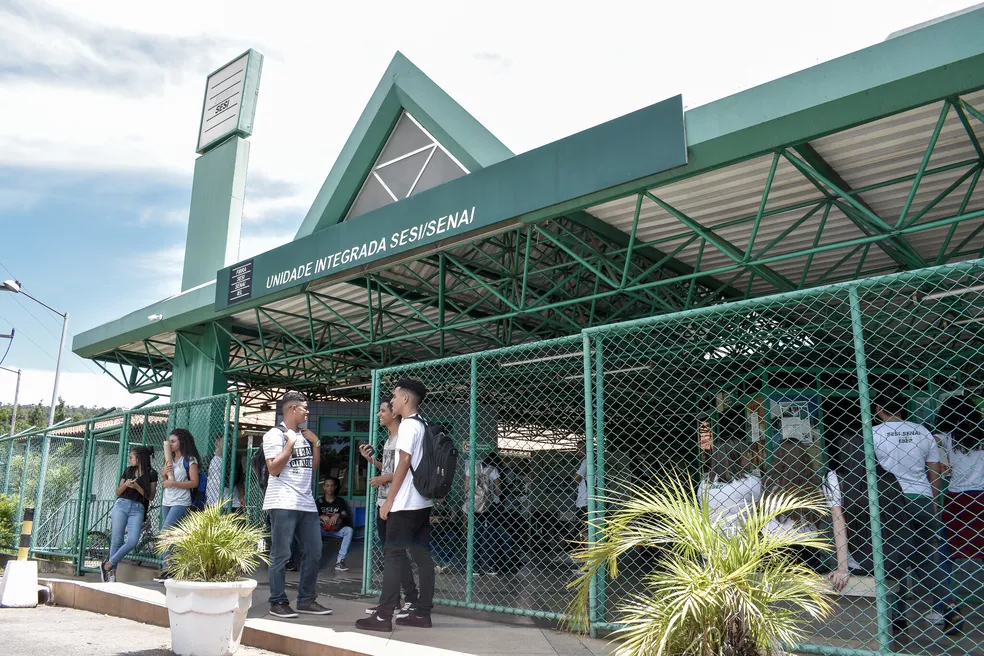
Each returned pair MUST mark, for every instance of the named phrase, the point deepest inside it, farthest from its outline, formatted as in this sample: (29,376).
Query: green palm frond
(212,546)
(737,592)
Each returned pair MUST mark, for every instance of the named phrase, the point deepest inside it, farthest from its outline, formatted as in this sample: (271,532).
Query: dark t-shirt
(336,507)
(144,482)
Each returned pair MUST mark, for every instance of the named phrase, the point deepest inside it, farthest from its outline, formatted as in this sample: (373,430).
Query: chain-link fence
(70,475)
(501,539)
(869,393)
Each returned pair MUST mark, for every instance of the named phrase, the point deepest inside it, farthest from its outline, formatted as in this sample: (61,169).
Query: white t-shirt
(831,493)
(213,488)
(491,474)
(728,500)
(966,469)
(410,440)
(582,486)
(291,490)
(904,449)
(179,496)
(389,466)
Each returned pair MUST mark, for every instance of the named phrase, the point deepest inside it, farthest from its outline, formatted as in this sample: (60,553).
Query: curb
(147,606)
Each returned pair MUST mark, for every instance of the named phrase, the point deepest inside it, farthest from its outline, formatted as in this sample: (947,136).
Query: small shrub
(212,546)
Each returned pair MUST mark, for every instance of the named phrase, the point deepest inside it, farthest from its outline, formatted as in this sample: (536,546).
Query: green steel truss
(552,278)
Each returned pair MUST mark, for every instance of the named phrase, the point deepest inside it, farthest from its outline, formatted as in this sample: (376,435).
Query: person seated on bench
(728,489)
(336,520)
(960,429)
(793,472)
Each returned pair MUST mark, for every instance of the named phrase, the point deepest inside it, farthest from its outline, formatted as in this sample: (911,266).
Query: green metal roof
(939,61)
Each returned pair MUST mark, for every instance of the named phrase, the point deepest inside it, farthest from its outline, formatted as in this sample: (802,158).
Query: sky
(100,103)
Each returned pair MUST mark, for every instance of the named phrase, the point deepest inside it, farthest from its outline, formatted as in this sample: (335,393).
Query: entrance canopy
(863,165)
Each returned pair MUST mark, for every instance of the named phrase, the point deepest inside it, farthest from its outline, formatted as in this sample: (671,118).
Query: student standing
(961,435)
(407,516)
(909,452)
(381,483)
(292,455)
(213,488)
(137,487)
(180,478)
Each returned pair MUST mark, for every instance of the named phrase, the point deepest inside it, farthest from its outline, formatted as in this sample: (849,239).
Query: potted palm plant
(208,555)
(738,592)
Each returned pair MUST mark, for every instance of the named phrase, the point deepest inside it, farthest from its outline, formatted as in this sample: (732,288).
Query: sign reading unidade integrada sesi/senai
(352,255)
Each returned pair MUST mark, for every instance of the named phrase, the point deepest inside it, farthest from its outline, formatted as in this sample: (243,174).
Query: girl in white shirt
(728,490)
(961,434)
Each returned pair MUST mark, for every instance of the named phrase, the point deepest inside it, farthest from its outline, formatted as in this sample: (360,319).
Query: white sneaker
(404,611)
(934,618)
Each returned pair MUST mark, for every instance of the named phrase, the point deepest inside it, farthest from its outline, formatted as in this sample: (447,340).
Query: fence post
(88,467)
(472,430)
(599,510)
(227,454)
(370,534)
(10,455)
(83,506)
(23,485)
(235,406)
(881,593)
(589,447)
(45,448)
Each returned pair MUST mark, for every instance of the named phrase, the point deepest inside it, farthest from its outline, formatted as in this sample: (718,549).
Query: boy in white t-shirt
(292,456)
(407,516)
(908,451)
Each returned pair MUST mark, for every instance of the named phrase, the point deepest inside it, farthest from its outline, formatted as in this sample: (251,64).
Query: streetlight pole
(15,287)
(13,413)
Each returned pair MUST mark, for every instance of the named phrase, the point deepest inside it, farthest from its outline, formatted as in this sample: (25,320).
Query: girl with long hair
(180,478)
(794,472)
(960,431)
(137,487)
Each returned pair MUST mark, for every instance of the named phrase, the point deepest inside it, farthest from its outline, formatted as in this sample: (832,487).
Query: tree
(60,410)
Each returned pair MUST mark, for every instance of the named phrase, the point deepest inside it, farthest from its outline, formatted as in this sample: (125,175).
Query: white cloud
(93,390)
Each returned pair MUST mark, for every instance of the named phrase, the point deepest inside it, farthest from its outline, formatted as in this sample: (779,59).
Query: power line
(41,323)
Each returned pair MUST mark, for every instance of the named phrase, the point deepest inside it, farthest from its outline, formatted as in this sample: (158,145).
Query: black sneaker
(413,619)
(292,567)
(375,623)
(283,611)
(163,576)
(404,610)
(899,626)
(312,608)
(103,572)
(340,566)
(952,622)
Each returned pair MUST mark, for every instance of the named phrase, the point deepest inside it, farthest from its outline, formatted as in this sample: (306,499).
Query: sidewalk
(70,632)
(456,632)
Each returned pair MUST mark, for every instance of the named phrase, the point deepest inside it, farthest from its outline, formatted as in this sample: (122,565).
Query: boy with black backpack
(423,459)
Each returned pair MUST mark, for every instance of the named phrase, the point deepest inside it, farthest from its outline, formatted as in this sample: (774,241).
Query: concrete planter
(207,619)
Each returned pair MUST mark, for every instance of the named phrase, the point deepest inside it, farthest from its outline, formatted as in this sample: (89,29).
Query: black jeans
(407,530)
(407,583)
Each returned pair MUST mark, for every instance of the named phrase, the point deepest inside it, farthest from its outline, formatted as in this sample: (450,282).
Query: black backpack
(434,476)
(260,464)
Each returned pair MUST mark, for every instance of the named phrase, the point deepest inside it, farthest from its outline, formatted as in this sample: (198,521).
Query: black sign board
(241,282)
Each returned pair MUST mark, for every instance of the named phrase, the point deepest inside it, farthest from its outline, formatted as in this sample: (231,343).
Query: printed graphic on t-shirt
(291,489)
(389,466)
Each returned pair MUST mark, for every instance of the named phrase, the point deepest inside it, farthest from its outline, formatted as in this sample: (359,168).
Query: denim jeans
(126,516)
(927,561)
(284,526)
(170,515)
(345,533)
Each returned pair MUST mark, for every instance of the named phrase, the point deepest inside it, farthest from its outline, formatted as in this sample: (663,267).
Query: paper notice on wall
(794,420)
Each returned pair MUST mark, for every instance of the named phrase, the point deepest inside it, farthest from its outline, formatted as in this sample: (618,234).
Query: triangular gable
(402,87)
